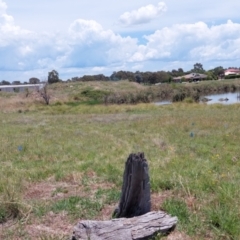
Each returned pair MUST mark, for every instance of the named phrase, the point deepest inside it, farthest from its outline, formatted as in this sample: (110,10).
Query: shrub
(178,95)
(188,100)
(231,76)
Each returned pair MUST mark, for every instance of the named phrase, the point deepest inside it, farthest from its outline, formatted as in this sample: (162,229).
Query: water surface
(224,98)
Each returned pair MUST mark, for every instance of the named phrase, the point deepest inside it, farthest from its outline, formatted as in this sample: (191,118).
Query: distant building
(191,77)
(232,71)
(20,88)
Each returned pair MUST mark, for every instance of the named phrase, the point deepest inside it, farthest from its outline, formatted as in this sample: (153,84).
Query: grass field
(64,162)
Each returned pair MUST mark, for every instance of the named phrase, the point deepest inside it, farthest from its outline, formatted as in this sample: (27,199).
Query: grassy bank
(124,92)
(120,92)
(63,162)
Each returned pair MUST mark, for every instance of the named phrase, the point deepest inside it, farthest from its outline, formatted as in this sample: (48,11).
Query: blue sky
(77,38)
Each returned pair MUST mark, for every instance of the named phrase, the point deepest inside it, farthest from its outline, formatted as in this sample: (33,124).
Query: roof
(232,70)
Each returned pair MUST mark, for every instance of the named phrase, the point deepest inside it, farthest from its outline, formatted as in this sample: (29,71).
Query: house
(191,77)
(232,71)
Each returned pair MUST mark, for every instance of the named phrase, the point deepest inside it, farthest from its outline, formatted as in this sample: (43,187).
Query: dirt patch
(72,186)
(157,199)
(54,225)
(47,191)
(59,225)
(178,236)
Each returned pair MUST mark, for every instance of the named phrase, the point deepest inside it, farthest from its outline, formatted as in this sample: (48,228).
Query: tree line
(138,76)
(156,77)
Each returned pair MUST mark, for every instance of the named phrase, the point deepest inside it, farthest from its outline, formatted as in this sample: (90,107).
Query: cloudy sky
(80,37)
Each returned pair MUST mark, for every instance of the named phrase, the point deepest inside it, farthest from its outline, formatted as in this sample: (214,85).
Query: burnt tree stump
(133,219)
(135,198)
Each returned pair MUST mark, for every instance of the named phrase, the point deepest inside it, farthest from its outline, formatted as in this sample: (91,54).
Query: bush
(232,76)
(92,96)
(188,100)
(178,95)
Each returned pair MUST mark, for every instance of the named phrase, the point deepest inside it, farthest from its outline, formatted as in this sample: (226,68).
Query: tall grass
(121,92)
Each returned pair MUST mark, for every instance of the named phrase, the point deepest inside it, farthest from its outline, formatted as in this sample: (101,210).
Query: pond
(223,98)
(163,102)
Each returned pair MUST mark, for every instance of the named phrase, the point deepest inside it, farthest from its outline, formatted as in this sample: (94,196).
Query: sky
(87,37)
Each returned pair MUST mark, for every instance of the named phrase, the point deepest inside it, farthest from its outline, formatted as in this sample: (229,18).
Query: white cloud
(88,47)
(98,69)
(22,50)
(91,45)
(193,42)
(11,39)
(137,67)
(85,45)
(3,7)
(7,25)
(142,15)
(83,30)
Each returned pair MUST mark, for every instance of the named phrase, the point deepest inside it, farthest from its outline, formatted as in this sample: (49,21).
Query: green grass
(177,208)
(192,151)
(74,205)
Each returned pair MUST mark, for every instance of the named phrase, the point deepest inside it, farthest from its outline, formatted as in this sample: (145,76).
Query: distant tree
(74,79)
(153,78)
(5,82)
(174,73)
(53,77)
(163,76)
(138,77)
(218,71)
(34,80)
(113,76)
(87,78)
(145,77)
(215,73)
(198,68)
(210,75)
(180,70)
(100,77)
(122,75)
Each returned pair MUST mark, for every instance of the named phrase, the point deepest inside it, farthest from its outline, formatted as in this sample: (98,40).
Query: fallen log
(136,228)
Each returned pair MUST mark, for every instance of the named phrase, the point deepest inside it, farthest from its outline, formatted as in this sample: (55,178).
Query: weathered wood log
(135,197)
(136,228)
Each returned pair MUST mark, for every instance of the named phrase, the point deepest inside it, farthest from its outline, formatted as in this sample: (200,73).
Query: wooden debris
(136,228)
